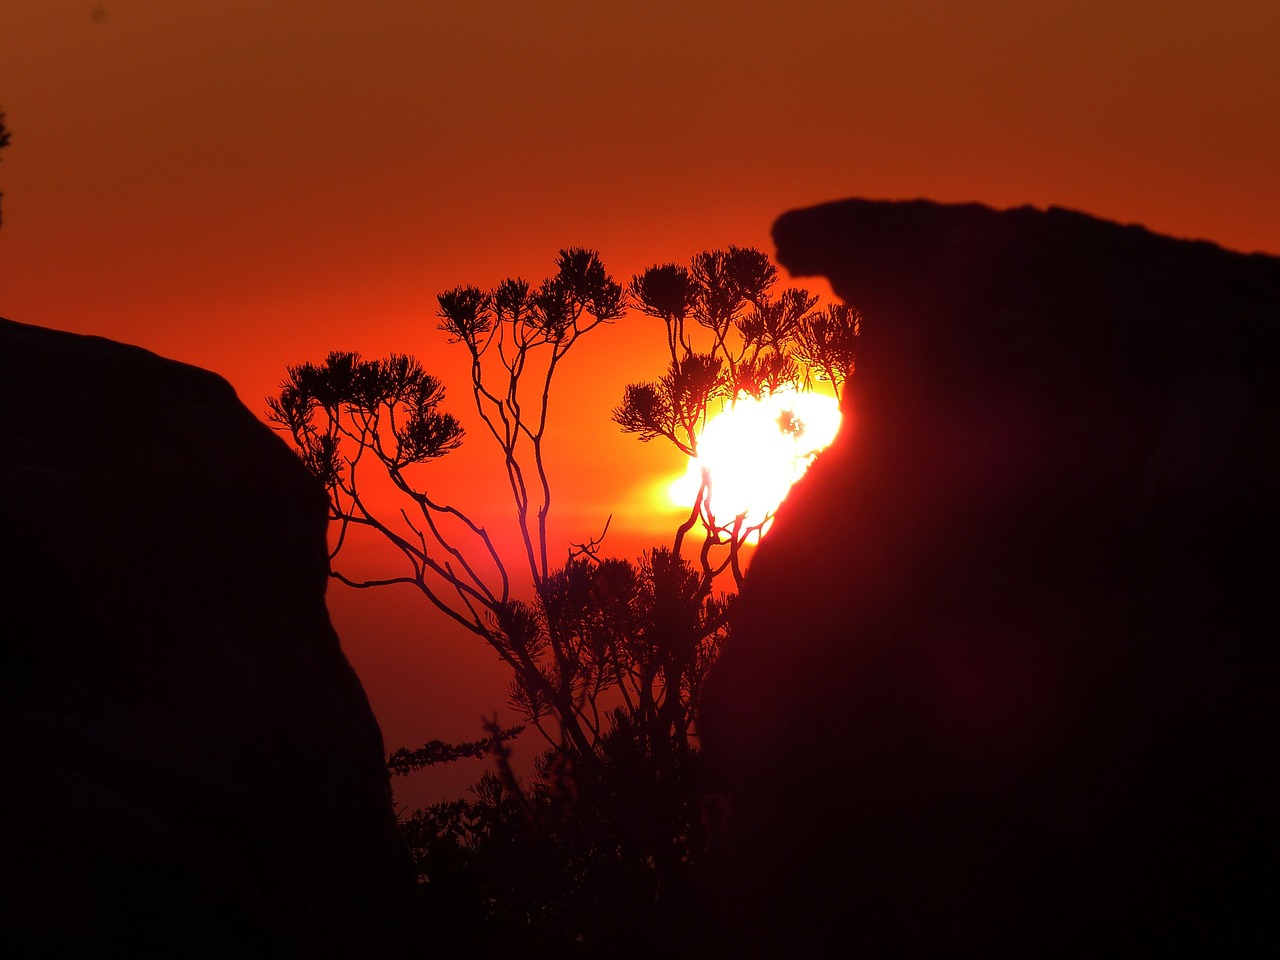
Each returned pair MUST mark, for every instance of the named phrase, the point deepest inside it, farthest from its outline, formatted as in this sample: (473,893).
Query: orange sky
(243,185)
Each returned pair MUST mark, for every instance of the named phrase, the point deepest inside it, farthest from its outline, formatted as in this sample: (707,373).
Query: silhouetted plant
(743,341)
(608,657)
(586,640)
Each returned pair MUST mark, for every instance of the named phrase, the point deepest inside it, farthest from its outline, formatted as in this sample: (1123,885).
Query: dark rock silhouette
(191,767)
(1003,677)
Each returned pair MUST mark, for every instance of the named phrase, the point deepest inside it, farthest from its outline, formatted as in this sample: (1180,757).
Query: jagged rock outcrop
(1003,676)
(191,767)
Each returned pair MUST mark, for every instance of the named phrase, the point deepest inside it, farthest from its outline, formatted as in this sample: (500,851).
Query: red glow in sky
(242,185)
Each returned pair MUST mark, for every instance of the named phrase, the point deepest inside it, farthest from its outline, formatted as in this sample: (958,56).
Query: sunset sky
(244,185)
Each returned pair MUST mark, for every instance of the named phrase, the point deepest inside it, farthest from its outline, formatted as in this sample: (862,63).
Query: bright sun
(755,450)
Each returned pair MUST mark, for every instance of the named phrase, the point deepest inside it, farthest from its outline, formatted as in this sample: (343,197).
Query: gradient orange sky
(243,185)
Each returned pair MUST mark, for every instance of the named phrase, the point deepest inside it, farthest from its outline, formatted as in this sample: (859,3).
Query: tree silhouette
(608,657)
(596,636)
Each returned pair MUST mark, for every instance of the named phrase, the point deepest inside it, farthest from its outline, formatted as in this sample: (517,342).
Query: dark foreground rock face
(1004,677)
(190,765)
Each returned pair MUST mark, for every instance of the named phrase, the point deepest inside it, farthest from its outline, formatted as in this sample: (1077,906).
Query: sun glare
(755,450)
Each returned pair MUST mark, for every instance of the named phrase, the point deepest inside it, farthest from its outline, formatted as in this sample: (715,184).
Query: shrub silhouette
(608,657)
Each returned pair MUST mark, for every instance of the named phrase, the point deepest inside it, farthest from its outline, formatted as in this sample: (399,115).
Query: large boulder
(191,767)
(1003,676)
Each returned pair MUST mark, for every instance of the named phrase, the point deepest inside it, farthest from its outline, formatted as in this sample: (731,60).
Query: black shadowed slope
(190,765)
(1003,676)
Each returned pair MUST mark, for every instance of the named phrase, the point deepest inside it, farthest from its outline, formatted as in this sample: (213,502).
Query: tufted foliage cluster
(388,408)
(729,336)
(643,633)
